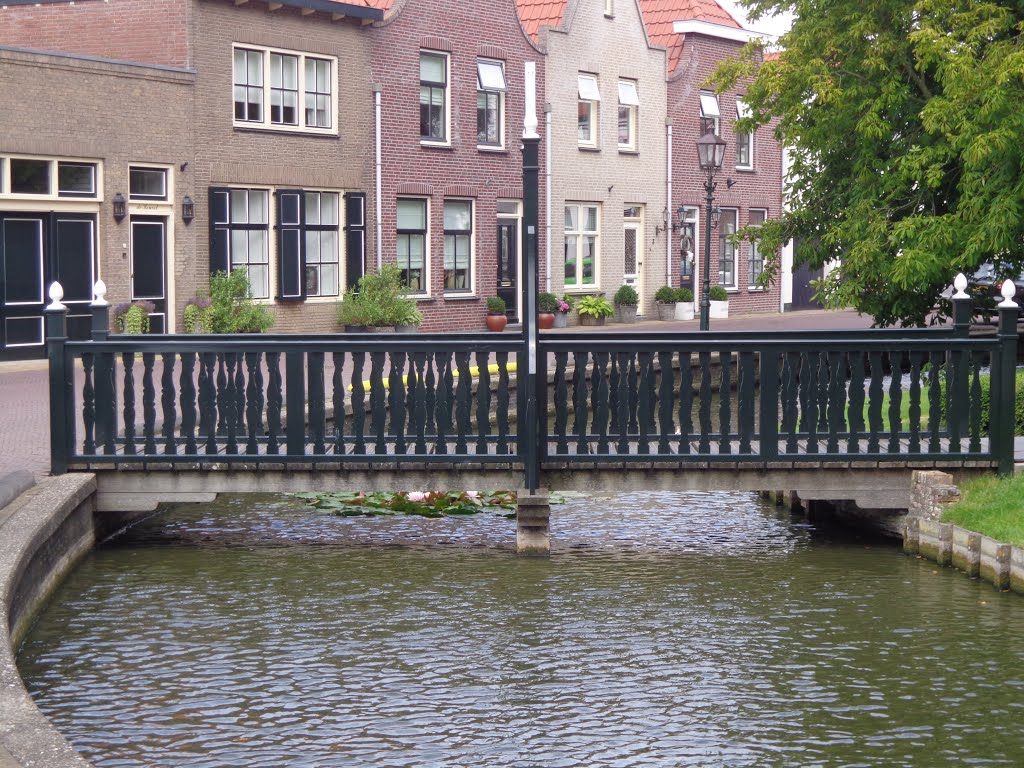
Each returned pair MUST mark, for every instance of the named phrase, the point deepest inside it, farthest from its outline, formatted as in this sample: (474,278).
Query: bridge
(830,415)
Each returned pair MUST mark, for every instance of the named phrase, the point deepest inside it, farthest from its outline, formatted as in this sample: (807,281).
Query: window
(744,141)
(298,87)
(458,245)
(321,226)
(581,239)
(412,243)
(689,237)
(727,248)
(490,95)
(147,183)
(433,97)
(629,102)
(709,113)
(240,221)
(756,219)
(76,180)
(590,97)
(30,177)
(44,177)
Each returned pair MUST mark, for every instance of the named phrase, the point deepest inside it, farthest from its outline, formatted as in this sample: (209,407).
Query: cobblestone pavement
(24,416)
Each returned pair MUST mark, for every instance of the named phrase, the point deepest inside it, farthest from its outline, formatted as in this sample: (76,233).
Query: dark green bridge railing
(745,398)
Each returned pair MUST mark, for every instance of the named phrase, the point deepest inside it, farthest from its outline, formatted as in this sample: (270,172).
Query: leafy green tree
(906,130)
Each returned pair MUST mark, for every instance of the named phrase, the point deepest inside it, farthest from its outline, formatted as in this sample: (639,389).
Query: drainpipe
(377,88)
(668,204)
(547,195)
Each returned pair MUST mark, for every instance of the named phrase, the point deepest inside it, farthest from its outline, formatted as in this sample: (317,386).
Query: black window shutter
(220,230)
(291,245)
(355,237)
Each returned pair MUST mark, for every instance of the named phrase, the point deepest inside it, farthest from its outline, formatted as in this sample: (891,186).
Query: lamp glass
(710,151)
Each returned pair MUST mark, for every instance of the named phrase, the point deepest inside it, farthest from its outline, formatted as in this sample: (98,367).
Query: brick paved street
(24,420)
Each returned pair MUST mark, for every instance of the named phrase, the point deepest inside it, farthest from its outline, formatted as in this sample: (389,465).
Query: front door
(149,267)
(508,265)
(632,252)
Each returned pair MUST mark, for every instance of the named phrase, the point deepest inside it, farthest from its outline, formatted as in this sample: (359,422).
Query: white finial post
(56,294)
(100,293)
(530,116)
(960,284)
(1008,291)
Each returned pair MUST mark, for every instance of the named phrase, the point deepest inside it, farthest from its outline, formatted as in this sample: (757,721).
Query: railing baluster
(705,402)
(443,403)
(645,392)
(316,394)
(253,415)
(231,402)
(822,374)
(88,405)
(148,404)
(128,413)
(208,401)
(790,400)
(106,403)
(222,389)
(768,442)
(275,401)
(240,398)
(954,399)
(358,404)
(974,414)
(432,383)
(856,401)
(187,388)
(378,413)
(812,363)
(665,401)
(874,401)
(418,390)
(625,362)
(634,394)
(613,394)
(579,400)
(462,397)
(724,401)
(914,410)
(561,403)
(504,397)
(167,398)
(745,400)
(399,412)
(836,399)
(483,403)
(600,392)
(895,400)
(685,400)
(338,401)
(934,402)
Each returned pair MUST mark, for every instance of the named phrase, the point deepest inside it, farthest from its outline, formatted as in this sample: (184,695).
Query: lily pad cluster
(431,504)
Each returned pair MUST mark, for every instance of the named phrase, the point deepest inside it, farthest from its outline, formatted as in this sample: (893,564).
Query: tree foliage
(905,124)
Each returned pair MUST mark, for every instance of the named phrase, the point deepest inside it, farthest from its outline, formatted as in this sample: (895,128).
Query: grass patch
(991,506)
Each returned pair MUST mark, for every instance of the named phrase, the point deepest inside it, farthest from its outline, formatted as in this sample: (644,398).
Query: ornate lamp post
(710,153)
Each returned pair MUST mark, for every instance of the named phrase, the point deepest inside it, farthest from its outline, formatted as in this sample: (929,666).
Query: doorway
(508,256)
(632,251)
(149,267)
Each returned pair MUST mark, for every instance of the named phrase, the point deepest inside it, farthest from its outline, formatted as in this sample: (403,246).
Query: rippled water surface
(665,630)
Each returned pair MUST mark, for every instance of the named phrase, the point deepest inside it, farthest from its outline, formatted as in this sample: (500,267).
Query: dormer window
(710,115)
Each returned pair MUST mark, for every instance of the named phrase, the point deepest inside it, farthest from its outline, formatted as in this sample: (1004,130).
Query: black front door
(508,266)
(803,293)
(149,267)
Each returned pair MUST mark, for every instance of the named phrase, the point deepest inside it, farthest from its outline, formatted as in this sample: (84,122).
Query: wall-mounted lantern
(120,207)
(188,210)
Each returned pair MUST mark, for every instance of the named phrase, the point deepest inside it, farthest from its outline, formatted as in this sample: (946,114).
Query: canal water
(665,630)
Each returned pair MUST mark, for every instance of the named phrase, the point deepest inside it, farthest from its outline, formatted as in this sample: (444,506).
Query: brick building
(451,81)
(698,34)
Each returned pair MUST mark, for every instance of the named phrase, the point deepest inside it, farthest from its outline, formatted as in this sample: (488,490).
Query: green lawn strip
(991,506)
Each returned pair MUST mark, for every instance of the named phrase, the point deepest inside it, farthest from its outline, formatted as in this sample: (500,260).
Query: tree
(906,130)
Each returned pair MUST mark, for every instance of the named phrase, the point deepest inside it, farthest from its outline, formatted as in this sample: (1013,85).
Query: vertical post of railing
(106,394)
(295,402)
(529,423)
(1001,407)
(61,389)
(959,400)
(769,410)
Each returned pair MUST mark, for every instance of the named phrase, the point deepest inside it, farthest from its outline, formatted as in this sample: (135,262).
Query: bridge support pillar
(533,515)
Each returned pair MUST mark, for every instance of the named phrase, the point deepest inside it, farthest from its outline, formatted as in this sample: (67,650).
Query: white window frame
(446,140)
(300,126)
(728,248)
(247,226)
(609,8)
(743,111)
(580,233)
(755,249)
(53,192)
(339,232)
(164,198)
(589,91)
(691,216)
(710,111)
(497,90)
(469,290)
(629,105)
(425,288)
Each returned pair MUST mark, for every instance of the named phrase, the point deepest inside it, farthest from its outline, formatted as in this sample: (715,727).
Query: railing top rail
(943,332)
(632,343)
(296,343)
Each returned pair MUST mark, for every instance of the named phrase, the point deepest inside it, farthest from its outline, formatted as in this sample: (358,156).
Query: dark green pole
(530,449)
(705,298)
(60,383)
(1004,382)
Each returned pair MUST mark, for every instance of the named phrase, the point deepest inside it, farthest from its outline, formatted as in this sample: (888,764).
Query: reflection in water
(665,630)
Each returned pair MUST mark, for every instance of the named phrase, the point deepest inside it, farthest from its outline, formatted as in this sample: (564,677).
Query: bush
(595,306)
(195,315)
(626,296)
(381,299)
(354,311)
(547,302)
(232,309)
(666,294)
(133,318)
(717,293)
(684,294)
(495,305)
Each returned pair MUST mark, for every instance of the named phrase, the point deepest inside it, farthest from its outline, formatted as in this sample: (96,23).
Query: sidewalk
(24,415)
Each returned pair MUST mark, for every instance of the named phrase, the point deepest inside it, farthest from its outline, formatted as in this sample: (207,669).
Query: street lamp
(710,153)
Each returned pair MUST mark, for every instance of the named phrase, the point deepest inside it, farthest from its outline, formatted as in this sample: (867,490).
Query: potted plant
(719,302)
(593,310)
(133,317)
(232,308)
(195,316)
(547,306)
(665,299)
(354,314)
(626,301)
(407,317)
(684,304)
(562,312)
(496,318)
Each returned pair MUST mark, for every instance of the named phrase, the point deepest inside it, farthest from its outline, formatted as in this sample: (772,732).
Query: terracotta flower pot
(496,322)
(545,320)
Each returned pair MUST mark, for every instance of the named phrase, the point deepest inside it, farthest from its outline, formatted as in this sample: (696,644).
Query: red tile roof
(535,14)
(659,15)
